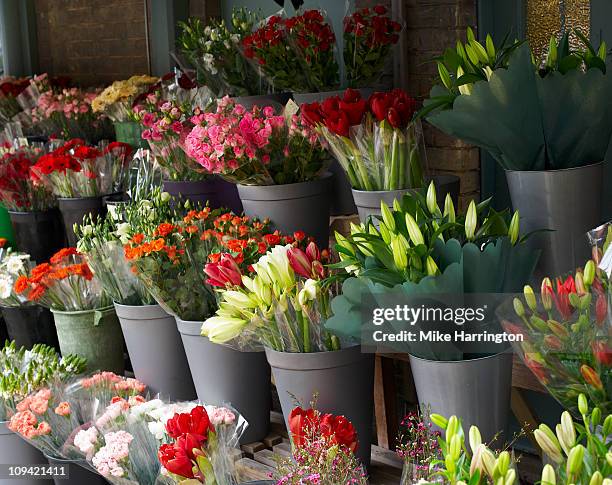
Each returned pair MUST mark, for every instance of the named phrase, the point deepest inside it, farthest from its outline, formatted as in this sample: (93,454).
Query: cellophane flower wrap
(256,146)
(565,331)
(200,446)
(65,283)
(13,264)
(20,188)
(26,371)
(281,305)
(323,450)
(10,89)
(115,101)
(376,141)
(369,37)
(165,114)
(76,169)
(214,50)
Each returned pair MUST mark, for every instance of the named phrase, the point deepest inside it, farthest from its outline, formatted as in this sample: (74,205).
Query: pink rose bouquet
(256,146)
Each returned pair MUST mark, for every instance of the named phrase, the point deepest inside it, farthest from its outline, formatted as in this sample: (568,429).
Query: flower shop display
(418,251)
(369,37)
(80,175)
(275,159)
(283,305)
(417,446)
(551,152)
(566,329)
(323,450)
(214,51)
(30,203)
(27,324)
(85,320)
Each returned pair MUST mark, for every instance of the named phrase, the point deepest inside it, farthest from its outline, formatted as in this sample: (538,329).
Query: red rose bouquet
(76,169)
(10,89)
(323,450)
(563,336)
(369,35)
(256,146)
(376,141)
(296,53)
(20,188)
(65,283)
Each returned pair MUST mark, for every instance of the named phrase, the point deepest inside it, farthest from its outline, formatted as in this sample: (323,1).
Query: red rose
(302,422)
(272,239)
(379,105)
(175,460)
(337,122)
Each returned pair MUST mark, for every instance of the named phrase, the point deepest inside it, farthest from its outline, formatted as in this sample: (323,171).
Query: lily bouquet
(76,169)
(281,305)
(116,100)
(566,336)
(376,141)
(65,283)
(369,37)
(256,146)
(13,264)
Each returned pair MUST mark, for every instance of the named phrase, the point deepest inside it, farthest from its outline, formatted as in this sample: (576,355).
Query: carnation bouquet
(116,100)
(369,37)
(20,188)
(566,336)
(214,50)
(76,169)
(13,264)
(296,53)
(256,146)
(376,141)
(65,283)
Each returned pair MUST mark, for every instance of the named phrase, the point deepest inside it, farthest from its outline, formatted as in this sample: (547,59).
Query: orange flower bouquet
(65,283)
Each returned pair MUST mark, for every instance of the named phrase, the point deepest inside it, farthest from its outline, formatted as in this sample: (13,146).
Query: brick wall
(92,42)
(205,9)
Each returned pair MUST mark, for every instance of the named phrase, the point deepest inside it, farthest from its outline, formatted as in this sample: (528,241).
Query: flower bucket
(223,375)
(343,381)
(278,100)
(227,196)
(156,351)
(39,233)
(74,209)
(79,473)
(198,191)
(567,201)
(93,334)
(476,390)
(368,202)
(28,325)
(303,206)
(130,132)
(301,98)
(16,451)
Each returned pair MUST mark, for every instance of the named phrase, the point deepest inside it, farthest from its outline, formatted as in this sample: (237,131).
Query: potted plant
(27,323)
(85,319)
(80,175)
(422,255)
(552,152)
(275,159)
(283,305)
(378,145)
(25,372)
(115,101)
(153,343)
(31,205)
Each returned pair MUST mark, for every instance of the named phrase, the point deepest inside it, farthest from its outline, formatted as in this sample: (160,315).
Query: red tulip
(340,431)
(330,105)
(602,352)
(175,460)
(394,118)
(379,105)
(302,422)
(307,263)
(311,113)
(601,309)
(354,110)
(196,422)
(223,273)
(337,122)
(188,443)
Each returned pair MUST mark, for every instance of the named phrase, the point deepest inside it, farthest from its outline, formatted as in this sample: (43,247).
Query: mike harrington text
(437,336)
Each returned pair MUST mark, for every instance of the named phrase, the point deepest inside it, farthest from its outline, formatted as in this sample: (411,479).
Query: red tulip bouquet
(256,146)
(20,188)
(369,37)
(296,53)
(76,169)
(376,141)
(323,450)
(10,89)
(566,332)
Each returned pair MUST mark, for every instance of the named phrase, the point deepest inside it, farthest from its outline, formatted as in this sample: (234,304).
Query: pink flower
(148,119)
(63,409)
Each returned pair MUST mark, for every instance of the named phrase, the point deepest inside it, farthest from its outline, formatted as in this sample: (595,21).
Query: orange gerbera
(37,292)
(63,253)
(59,274)
(21,284)
(3,241)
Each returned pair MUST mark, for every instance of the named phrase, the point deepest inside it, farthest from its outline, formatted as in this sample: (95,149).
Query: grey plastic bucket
(567,201)
(79,473)
(301,98)
(28,325)
(303,206)
(74,209)
(476,390)
(343,382)
(368,202)
(156,351)
(277,100)
(198,192)
(16,451)
(223,375)
(39,233)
